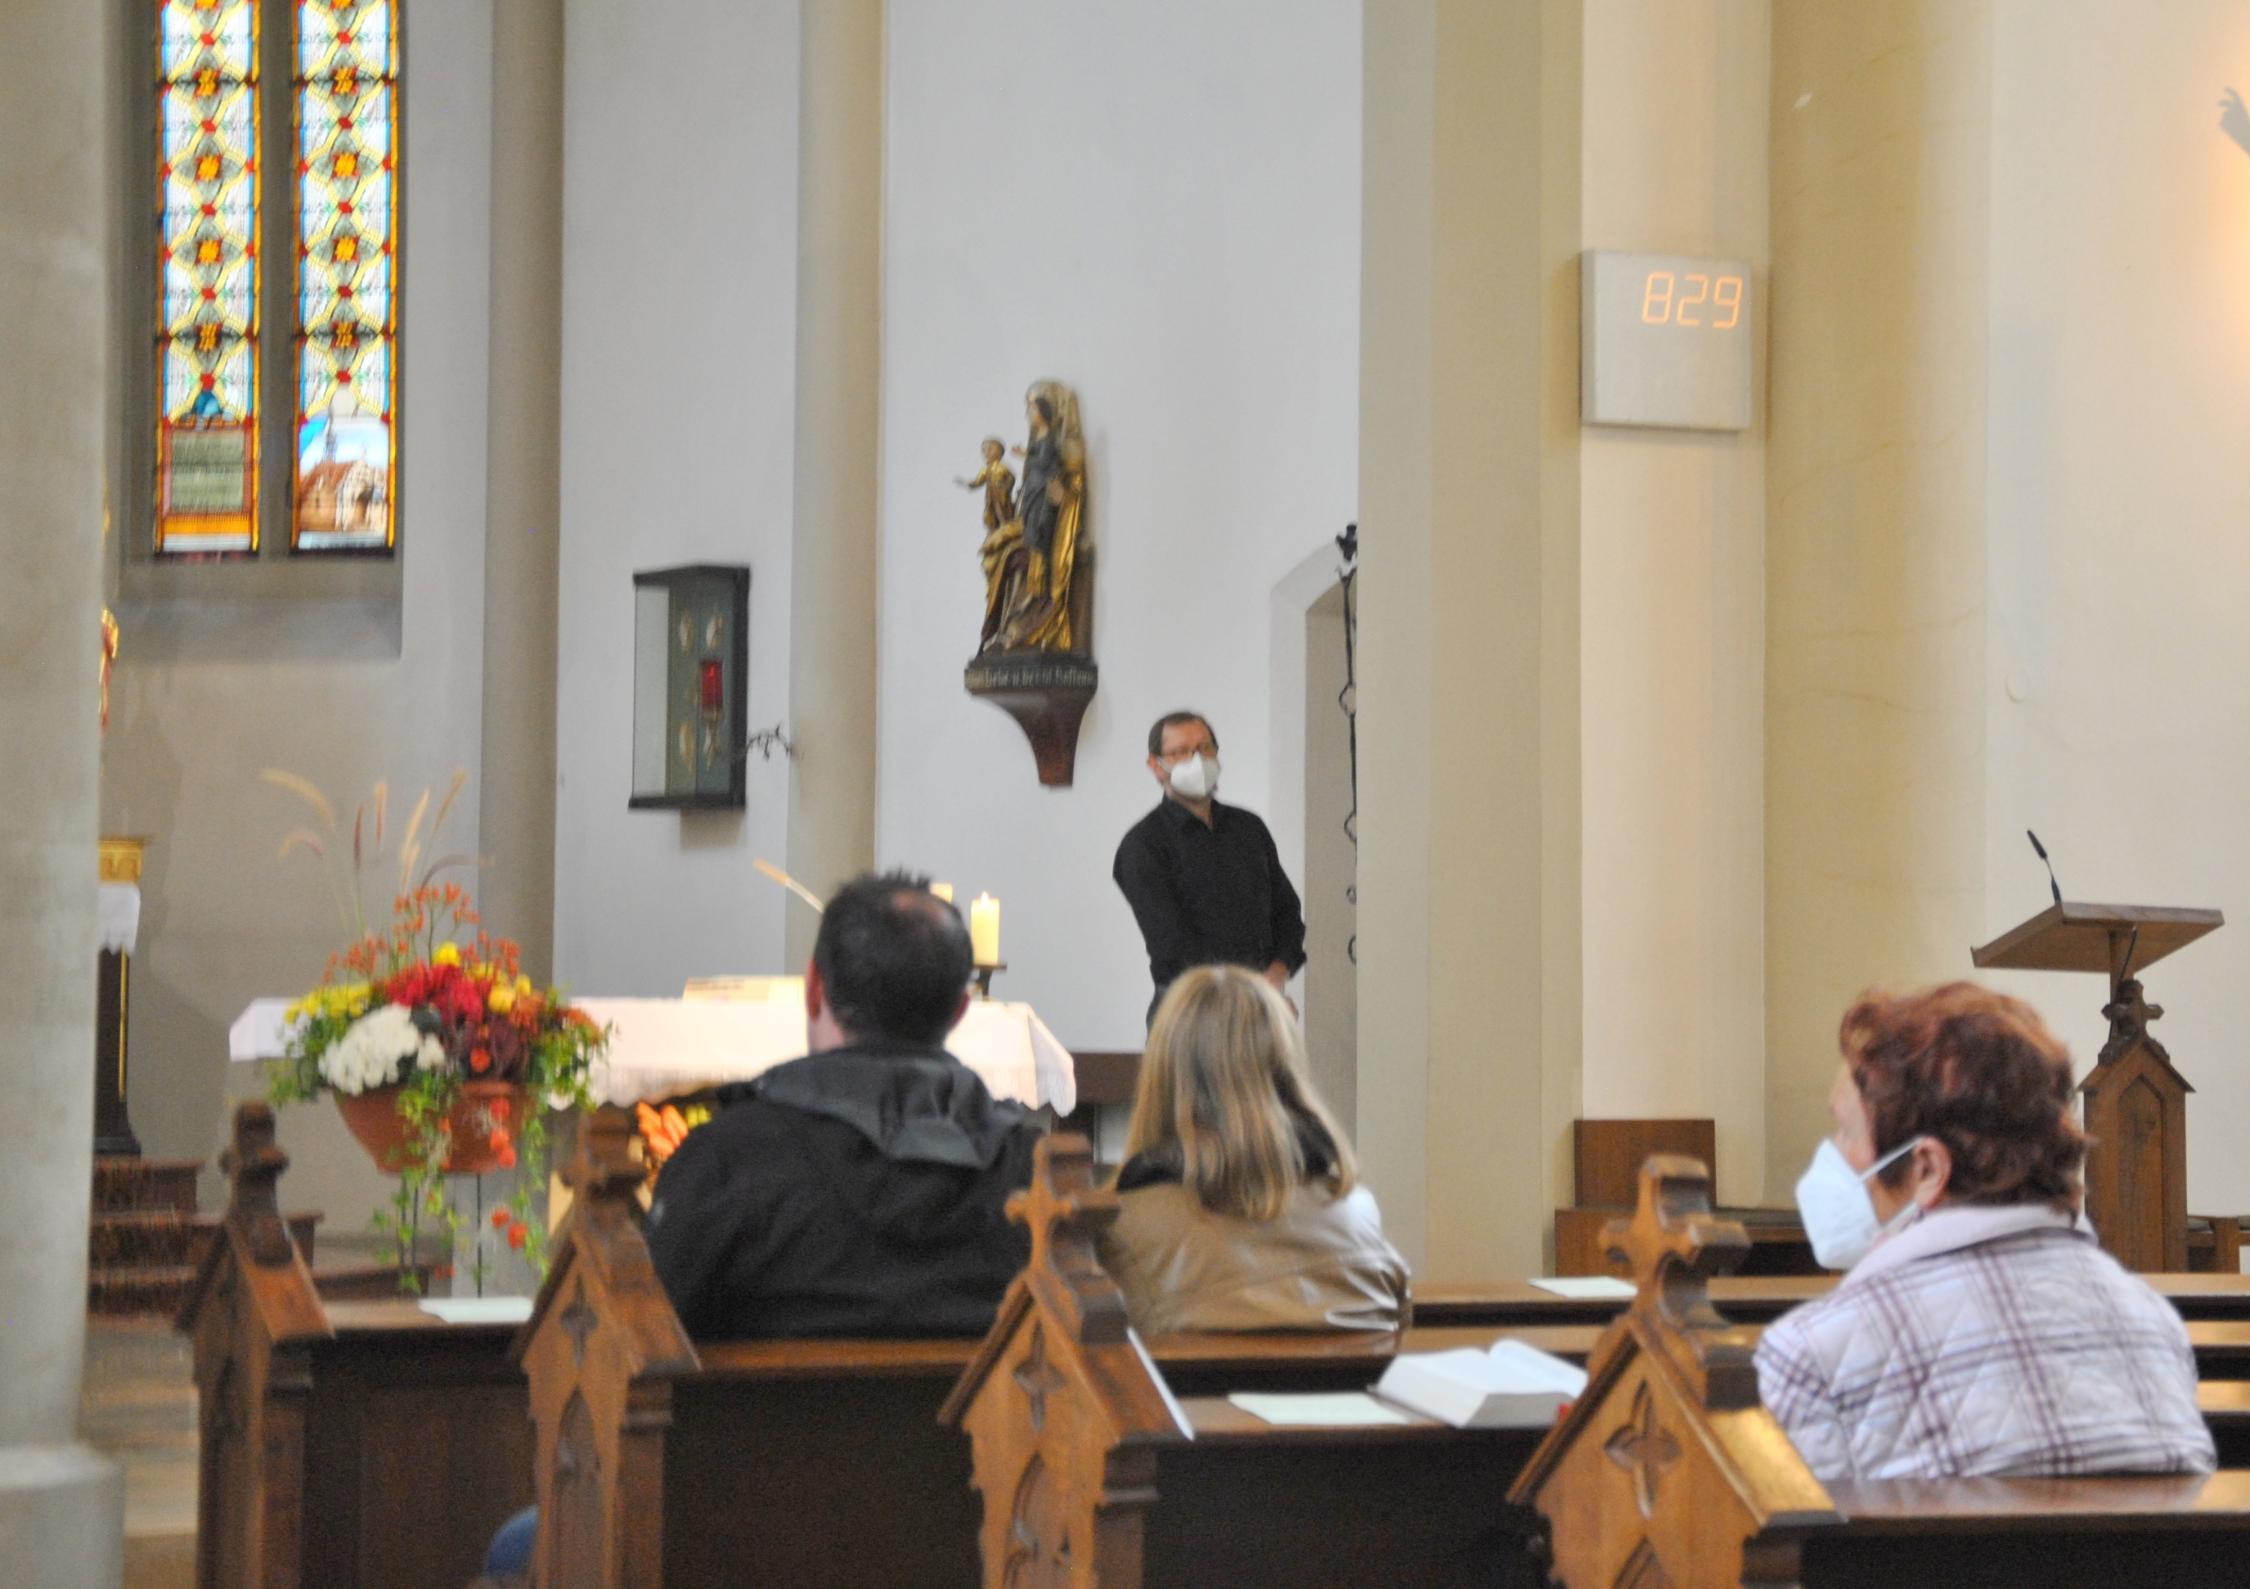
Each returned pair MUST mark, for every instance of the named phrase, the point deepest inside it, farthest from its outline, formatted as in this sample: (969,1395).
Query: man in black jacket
(1204,879)
(859,1190)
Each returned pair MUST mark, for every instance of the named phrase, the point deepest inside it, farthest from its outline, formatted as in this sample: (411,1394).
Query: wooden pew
(396,1415)
(1668,1469)
(356,1446)
(1077,1435)
(661,1460)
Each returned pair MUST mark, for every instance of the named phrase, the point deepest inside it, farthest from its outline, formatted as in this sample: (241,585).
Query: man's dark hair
(894,958)
(1178,720)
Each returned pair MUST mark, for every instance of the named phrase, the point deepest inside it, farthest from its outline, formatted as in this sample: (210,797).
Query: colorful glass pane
(207,310)
(347,275)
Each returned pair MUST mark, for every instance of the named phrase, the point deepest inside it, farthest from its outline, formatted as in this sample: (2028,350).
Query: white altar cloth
(665,1046)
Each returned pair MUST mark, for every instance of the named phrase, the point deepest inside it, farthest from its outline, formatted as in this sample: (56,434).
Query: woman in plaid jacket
(1980,1328)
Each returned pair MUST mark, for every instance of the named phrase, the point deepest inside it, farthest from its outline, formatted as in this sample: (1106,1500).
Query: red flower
(480,1062)
(500,1217)
(497,1141)
(508,1156)
(515,1237)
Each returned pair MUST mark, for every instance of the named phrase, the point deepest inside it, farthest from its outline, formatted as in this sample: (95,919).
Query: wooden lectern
(2135,1102)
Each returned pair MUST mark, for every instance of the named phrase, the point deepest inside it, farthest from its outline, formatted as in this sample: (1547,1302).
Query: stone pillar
(839,374)
(61,1506)
(523,489)
(1469,906)
(1875,535)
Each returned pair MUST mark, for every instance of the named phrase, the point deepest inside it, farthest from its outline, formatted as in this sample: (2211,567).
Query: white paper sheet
(479,1310)
(1589,1288)
(1339,1409)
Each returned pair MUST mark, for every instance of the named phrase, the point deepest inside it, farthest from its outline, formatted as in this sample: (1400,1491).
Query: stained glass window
(207,338)
(347,274)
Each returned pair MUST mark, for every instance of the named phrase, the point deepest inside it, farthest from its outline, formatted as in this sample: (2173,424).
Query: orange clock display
(1692,299)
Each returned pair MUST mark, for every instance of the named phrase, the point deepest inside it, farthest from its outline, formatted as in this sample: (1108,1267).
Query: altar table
(664,1047)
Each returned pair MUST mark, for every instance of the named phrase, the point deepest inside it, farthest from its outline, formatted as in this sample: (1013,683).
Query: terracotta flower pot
(479,1109)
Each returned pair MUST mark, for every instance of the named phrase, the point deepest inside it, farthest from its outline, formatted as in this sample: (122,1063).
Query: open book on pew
(1506,1386)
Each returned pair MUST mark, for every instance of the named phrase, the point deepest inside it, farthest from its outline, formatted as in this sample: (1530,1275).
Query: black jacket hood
(914,1104)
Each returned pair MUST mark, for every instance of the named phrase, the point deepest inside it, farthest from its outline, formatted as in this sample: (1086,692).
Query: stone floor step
(122,1183)
(161,1238)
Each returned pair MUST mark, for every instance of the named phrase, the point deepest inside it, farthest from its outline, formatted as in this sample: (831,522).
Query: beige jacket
(1323,1265)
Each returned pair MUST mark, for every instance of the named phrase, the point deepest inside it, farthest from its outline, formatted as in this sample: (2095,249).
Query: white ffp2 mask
(1839,1216)
(1195,778)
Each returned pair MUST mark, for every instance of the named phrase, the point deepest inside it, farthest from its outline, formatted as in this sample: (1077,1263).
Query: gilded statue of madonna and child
(1031,540)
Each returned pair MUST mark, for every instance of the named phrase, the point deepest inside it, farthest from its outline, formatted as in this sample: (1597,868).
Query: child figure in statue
(1002,553)
(999,482)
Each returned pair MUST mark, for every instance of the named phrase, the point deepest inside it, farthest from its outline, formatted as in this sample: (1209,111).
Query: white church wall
(2117,685)
(1159,204)
(678,403)
(1672,618)
(224,920)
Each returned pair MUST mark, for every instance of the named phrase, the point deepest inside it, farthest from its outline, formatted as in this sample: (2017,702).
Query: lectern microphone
(2040,850)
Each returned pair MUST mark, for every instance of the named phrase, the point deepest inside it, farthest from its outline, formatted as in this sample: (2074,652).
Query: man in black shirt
(860,1190)
(1204,879)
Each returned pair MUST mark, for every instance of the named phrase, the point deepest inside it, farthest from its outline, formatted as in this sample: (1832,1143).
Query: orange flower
(497,1141)
(515,1237)
(500,1217)
(508,1156)
(480,1060)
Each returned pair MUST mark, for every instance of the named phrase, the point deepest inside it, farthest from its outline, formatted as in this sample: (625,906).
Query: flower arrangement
(441,1053)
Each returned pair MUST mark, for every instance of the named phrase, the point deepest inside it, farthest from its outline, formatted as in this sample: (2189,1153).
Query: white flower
(374,1047)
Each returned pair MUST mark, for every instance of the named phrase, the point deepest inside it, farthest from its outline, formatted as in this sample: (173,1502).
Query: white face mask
(1839,1216)
(1195,778)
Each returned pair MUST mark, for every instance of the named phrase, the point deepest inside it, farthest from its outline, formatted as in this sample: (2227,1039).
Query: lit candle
(984,930)
(943,891)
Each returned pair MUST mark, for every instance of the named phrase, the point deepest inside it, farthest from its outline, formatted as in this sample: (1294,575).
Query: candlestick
(984,930)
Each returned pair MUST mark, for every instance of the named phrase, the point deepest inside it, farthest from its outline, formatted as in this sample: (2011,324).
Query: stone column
(1875,538)
(1469,905)
(523,490)
(61,1507)
(839,372)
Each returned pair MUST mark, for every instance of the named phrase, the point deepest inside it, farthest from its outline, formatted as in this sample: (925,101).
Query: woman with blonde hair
(1241,1204)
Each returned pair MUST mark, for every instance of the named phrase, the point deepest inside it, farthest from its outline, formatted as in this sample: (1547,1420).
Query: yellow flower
(523,986)
(501,999)
(447,954)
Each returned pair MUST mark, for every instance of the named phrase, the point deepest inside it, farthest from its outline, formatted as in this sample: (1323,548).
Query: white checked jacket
(1986,1341)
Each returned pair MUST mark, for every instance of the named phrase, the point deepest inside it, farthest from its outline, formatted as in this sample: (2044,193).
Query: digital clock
(1664,340)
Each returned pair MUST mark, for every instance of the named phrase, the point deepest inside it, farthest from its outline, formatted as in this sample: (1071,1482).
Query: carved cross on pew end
(1066,1213)
(1674,1246)
(253,1163)
(1643,1447)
